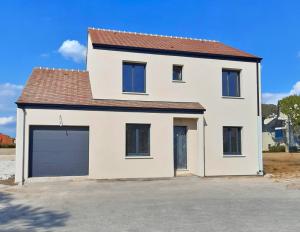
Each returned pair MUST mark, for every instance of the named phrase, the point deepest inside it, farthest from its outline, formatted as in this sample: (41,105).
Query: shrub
(7,145)
(293,149)
(277,148)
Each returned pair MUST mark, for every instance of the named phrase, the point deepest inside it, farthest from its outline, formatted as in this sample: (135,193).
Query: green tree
(268,110)
(290,106)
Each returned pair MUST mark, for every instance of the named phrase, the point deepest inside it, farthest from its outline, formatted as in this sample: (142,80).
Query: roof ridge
(60,69)
(163,36)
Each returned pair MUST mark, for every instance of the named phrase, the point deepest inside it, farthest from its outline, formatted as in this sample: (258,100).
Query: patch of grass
(277,148)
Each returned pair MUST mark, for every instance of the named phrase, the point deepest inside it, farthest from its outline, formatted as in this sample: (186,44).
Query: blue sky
(53,34)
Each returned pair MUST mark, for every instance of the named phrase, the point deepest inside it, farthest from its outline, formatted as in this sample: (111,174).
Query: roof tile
(167,43)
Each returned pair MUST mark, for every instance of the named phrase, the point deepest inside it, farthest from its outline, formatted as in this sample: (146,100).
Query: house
(277,130)
(146,106)
(273,132)
(6,140)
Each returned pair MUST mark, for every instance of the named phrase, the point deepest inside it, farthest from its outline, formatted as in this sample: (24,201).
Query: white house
(278,130)
(147,106)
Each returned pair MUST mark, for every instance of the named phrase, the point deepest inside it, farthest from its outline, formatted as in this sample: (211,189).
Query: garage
(58,151)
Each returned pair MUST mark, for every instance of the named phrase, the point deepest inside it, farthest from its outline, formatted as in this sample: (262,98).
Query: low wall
(7,151)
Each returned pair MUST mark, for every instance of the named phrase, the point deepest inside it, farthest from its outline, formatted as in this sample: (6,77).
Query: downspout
(23,143)
(204,125)
(259,122)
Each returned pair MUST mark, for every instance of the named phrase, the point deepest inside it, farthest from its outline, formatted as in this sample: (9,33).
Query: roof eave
(110,108)
(177,52)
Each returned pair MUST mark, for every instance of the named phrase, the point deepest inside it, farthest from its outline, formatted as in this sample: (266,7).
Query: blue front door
(180,157)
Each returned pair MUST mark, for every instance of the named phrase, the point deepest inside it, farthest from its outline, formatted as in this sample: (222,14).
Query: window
(177,73)
(278,133)
(134,77)
(231,83)
(232,140)
(137,140)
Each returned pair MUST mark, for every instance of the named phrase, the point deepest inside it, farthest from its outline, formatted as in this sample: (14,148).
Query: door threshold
(183,173)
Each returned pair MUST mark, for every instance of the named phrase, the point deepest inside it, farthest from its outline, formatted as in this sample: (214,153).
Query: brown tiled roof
(72,88)
(167,43)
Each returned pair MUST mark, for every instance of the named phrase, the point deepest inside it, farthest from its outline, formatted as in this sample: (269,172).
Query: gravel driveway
(7,163)
(179,204)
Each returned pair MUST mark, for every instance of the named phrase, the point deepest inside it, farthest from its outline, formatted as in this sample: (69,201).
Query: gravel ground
(7,169)
(7,165)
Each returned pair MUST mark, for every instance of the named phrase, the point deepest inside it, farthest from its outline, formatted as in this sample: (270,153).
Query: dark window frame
(238,142)
(133,63)
(181,72)
(137,145)
(238,87)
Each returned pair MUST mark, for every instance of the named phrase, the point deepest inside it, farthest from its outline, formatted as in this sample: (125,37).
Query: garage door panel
(58,151)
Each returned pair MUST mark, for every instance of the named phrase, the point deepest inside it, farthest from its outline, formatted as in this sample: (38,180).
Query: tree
(268,110)
(290,106)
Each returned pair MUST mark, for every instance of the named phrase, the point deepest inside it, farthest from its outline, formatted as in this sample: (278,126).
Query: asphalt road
(180,204)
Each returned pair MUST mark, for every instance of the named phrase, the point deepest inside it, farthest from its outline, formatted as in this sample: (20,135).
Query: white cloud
(296,89)
(72,49)
(273,98)
(6,120)
(9,93)
(9,89)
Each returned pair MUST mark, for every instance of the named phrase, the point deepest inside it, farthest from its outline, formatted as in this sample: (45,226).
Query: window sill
(135,93)
(138,157)
(230,156)
(178,81)
(229,97)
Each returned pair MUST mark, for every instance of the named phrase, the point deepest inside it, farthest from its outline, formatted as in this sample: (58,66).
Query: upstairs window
(231,83)
(177,73)
(137,139)
(232,141)
(134,77)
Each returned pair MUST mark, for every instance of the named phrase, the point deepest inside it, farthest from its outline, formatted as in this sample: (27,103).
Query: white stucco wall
(107,141)
(202,82)
(267,140)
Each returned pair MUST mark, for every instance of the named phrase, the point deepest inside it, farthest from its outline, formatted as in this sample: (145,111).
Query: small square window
(137,139)
(232,140)
(177,73)
(231,83)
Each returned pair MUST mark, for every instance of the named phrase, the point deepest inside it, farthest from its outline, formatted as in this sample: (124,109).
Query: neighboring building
(147,106)
(6,140)
(278,131)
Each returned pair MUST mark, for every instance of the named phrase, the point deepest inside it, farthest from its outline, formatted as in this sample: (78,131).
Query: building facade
(147,106)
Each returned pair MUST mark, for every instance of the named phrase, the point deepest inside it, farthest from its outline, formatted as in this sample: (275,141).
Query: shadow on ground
(27,218)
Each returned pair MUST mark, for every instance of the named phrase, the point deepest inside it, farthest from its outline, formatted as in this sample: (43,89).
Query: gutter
(112,108)
(176,52)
